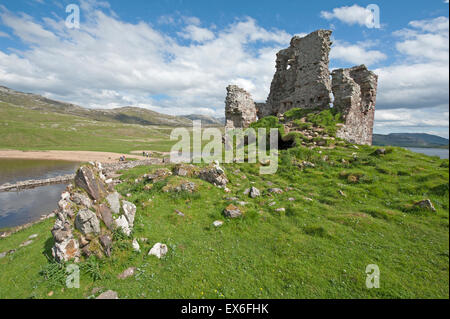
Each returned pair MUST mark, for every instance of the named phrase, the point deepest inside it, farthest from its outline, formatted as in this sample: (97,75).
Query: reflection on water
(16,170)
(18,208)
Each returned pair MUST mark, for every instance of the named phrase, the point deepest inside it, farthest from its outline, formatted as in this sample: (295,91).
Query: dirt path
(77,156)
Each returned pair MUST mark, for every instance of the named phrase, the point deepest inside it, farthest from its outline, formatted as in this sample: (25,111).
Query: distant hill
(410,140)
(128,115)
(206,119)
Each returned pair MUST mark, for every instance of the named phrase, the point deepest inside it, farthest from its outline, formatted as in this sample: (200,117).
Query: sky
(178,56)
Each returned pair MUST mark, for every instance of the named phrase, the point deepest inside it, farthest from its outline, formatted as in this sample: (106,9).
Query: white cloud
(421,80)
(110,63)
(432,121)
(4,35)
(349,14)
(355,53)
(197,34)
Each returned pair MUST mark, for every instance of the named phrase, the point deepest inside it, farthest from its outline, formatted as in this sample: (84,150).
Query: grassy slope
(317,249)
(26,129)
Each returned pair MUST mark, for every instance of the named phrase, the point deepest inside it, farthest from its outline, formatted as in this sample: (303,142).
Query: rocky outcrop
(355,91)
(214,174)
(240,110)
(84,227)
(89,182)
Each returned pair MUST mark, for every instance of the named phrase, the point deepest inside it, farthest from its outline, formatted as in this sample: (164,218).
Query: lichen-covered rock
(214,175)
(232,211)
(87,180)
(113,200)
(87,222)
(66,207)
(66,250)
(240,110)
(81,200)
(184,170)
(129,210)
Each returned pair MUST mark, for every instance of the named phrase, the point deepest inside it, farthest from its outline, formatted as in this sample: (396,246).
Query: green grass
(26,129)
(318,248)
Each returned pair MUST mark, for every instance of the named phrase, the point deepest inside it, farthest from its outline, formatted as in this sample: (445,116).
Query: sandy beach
(77,156)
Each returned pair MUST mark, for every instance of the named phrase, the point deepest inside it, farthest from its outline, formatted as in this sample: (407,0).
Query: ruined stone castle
(303,80)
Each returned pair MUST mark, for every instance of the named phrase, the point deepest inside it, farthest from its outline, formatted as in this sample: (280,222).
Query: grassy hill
(25,128)
(128,115)
(351,208)
(206,119)
(410,140)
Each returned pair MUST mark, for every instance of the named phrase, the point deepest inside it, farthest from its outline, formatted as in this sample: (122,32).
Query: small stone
(136,246)
(254,192)
(280,210)
(232,211)
(425,204)
(128,195)
(179,213)
(275,190)
(95,290)
(159,250)
(33,236)
(272,203)
(291,199)
(2,255)
(380,151)
(50,293)
(218,223)
(127,273)
(342,193)
(108,295)
(26,243)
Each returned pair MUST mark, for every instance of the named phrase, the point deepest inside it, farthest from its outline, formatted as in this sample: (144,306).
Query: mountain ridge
(410,140)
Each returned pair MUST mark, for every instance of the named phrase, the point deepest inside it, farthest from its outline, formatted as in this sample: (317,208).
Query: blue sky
(178,56)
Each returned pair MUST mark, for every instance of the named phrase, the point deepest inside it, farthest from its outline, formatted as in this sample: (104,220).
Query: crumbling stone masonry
(240,110)
(355,92)
(302,80)
(302,77)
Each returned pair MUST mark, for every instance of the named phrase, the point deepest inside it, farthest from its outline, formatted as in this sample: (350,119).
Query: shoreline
(70,156)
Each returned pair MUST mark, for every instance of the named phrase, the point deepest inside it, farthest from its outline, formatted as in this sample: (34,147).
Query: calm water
(18,208)
(442,153)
